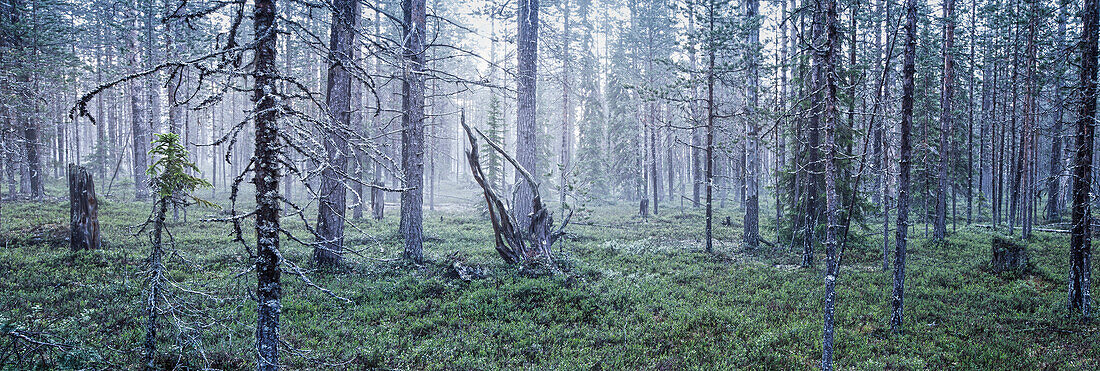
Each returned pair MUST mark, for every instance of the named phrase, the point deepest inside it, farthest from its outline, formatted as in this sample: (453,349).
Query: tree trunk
(358,156)
(1027,153)
(101,122)
(34,162)
(652,163)
(152,87)
(751,235)
(156,285)
(266,178)
(527,36)
(138,123)
(783,119)
(946,117)
(377,196)
(881,163)
(709,178)
(813,170)
(1080,271)
(332,205)
(566,104)
(904,159)
(1054,181)
(695,150)
(412,135)
(83,210)
(826,39)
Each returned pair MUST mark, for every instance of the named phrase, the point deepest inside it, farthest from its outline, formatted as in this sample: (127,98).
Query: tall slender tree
(266,176)
(1057,170)
(1080,266)
(332,204)
(904,164)
(566,102)
(751,234)
(825,42)
(946,117)
(709,157)
(527,38)
(139,129)
(412,133)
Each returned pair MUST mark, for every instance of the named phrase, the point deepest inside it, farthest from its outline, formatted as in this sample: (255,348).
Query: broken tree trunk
(83,210)
(516,243)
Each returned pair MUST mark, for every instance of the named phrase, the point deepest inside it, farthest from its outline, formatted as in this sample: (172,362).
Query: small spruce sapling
(173,185)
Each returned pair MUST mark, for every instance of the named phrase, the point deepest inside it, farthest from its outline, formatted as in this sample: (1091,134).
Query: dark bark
(515,242)
(1008,256)
(412,134)
(34,162)
(1080,271)
(83,210)
(904,164)
(156,285)
(826,41)
(970,119)
(267,173)
(1027,153)
(1054,181)
(332,205)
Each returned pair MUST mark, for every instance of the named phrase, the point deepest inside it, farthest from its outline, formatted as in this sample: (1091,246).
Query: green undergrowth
(639,294)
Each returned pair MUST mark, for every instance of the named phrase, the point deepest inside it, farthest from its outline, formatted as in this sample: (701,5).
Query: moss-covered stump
(1008,256)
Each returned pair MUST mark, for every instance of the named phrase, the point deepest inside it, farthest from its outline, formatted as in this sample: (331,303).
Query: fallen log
(1037,229)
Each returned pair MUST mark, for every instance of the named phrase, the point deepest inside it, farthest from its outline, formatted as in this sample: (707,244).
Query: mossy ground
(640,295)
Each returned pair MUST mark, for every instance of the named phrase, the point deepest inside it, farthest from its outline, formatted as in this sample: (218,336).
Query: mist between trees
(783,132)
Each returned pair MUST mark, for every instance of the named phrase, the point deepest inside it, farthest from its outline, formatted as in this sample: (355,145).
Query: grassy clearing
(641,295)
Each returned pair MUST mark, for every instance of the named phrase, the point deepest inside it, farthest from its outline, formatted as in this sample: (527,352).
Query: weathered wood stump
(83,210)
(377,201)
(1008,256)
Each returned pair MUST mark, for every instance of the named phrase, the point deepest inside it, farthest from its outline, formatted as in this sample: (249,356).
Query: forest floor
(638,295)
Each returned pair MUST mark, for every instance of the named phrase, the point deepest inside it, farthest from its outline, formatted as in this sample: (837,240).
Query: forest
(554,184)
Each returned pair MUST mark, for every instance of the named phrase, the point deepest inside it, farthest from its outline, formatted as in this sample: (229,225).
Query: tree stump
(83,210)
(1008,256)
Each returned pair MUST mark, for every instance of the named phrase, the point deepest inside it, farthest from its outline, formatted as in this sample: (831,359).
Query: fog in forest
(554,184)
